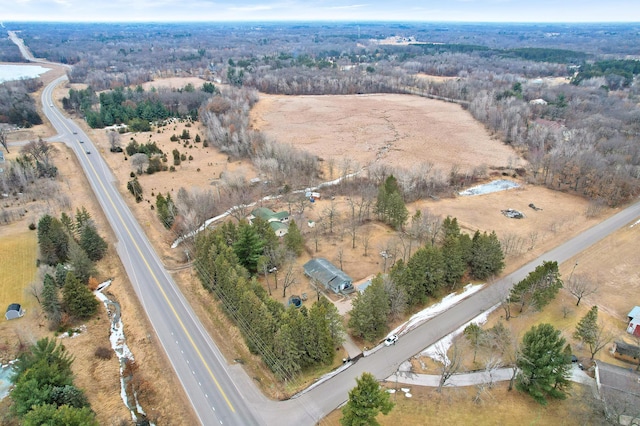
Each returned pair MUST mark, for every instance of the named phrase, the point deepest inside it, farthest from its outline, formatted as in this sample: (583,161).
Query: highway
(222,394)
(196,360)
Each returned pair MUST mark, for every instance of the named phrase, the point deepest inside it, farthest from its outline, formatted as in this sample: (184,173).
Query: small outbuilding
(633,318)
(325,273)
(625,351)
(14,311)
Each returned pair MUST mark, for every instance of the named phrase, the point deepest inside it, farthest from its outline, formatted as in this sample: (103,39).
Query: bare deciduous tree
(451,362)
(140,162)
(289,276)
(114,140)
(581,286)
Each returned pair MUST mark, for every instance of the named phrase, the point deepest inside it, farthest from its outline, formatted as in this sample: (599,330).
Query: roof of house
(263,213)
(620,388)
(280,215)
(325,272)
(14,307)
(627,349)
(276,226)
(634,313)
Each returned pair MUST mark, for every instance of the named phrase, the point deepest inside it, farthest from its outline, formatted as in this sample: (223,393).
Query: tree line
(69,247)
(136,107)
(16,104)
(431,270)
(289,340)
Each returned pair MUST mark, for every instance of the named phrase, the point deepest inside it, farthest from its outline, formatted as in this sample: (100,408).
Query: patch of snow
(119,345)
(438,308)
(634,224)
(495,186)
(443,345)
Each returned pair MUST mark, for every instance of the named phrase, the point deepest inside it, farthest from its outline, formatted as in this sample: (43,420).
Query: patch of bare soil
(399,130)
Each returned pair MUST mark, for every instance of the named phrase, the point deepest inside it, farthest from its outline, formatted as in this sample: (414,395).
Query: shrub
(102,352)
(191,158)
(32,225)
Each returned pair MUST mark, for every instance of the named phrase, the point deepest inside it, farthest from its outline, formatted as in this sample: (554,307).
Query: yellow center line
(166,298)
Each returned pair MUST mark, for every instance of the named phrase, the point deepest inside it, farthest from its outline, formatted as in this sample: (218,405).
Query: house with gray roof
(325,273)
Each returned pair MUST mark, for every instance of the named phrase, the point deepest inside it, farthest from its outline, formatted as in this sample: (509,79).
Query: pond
(17,72)
(5,383)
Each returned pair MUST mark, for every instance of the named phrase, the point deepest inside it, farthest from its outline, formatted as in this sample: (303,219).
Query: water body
(18,72)
(5,383)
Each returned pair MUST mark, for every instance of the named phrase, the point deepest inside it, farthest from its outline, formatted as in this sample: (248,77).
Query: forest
(580,135)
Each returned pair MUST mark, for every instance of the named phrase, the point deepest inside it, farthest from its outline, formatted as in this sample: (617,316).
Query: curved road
(223,394)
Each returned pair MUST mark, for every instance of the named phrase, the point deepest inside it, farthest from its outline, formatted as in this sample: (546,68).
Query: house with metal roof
(278,221)
(324,272)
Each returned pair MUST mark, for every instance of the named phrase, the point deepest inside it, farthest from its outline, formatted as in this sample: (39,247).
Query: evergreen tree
(539,287)
(544,367)
(366,400)
(53,240)
(370,310)
(80,263)
(590,332)
(286,351)
(78,301)
(269,238)
(422,276)
(165,209)
(62,415)
(475,335)
(454,262)
(51,301)
(248,247)
(293,240)
(390,206)
(487,257)
(92,243)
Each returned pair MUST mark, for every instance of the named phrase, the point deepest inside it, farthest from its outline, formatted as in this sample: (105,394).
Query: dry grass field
(399,130)
(497,406)
(18,251)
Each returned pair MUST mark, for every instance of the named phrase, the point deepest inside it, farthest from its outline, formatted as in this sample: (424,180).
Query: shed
(14,311)
(328,275)
(625,351)
(633,326)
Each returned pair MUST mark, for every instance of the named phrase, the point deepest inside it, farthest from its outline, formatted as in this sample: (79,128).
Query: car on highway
(88,152)
(80,141)
(75,132)
(391,340)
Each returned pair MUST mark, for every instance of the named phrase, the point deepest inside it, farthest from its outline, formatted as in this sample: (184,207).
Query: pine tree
(78,301)
(422,276)
(487,257)
(585,330)
(80,263)
(293,240)
(370,311)
(53,240)
(51,301)
(92,243)
(539,287)
(248,247)
(366,400)
(544,367)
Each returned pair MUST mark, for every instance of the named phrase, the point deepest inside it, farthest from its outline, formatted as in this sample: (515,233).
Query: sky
(321,10)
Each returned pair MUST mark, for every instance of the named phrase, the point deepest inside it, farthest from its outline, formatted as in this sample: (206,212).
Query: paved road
(222,394)
(193,355)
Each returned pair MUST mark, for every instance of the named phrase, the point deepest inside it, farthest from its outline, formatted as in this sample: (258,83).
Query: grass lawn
(497,406)
(18,253)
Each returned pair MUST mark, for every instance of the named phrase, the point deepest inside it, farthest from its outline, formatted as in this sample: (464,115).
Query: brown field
(398,130)
(403,124)
(497,406)
(18,252)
